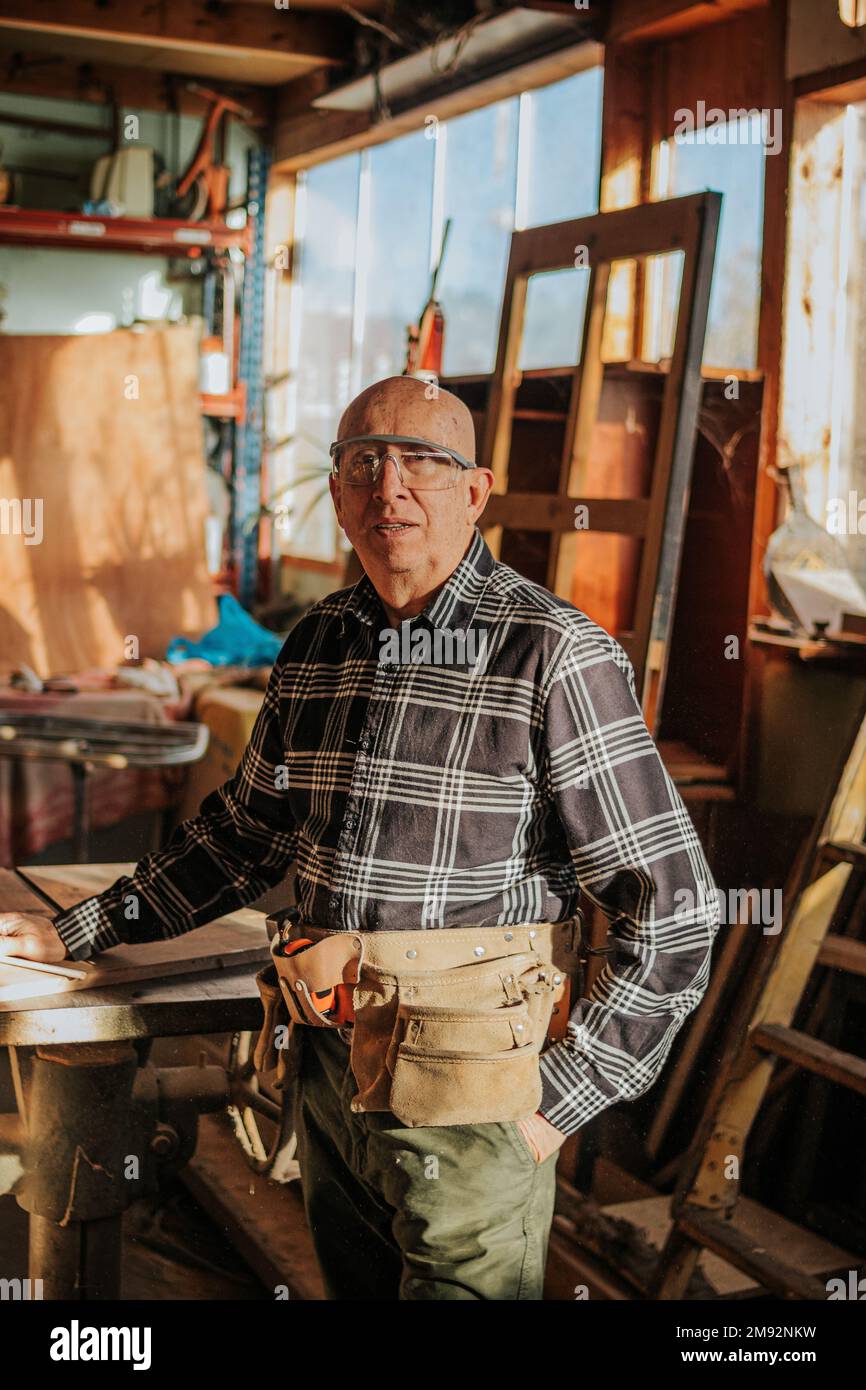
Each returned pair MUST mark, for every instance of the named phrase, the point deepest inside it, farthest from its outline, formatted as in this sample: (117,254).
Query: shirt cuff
(86,929)
(569,1095)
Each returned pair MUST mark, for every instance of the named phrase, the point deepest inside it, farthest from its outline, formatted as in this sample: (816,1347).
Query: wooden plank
(586,388)
(265,1220)
(625,170)
(570,1267)
(844,852)
(64,78)
(770,1270)
(845,83)
(536,511)
(238,30)
(671,475)
(638,21)
(802,940)
(842,1068)
(647,230)
(770,348)
(122,547)
(239,938)
(841,953)
(731,70)
(807,1251)
(746,1082)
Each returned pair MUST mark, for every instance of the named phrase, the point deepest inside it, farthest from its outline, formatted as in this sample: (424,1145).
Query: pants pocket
(521,1143)
(458,1066)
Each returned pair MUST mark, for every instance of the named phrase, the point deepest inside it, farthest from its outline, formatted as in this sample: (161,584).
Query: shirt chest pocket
(486,742)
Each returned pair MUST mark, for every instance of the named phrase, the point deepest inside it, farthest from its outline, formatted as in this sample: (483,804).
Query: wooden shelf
(152,235)
(833,647)
(230,407)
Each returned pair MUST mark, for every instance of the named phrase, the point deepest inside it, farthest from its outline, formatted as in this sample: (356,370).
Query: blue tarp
(237,640)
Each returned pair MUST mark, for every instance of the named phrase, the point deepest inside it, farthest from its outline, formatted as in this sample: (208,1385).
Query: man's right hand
(31,935)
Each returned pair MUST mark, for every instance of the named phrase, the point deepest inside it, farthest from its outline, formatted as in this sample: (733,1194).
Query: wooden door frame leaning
(689,225)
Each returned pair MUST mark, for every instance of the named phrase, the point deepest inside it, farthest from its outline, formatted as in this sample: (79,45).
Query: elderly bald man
(445,815)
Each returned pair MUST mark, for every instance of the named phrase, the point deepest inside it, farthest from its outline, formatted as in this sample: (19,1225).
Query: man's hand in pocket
(542,1137)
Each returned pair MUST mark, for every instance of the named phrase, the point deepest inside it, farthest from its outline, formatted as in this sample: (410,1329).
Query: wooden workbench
(89,1101)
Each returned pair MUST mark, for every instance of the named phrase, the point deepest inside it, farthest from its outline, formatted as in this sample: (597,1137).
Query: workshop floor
(172,1250)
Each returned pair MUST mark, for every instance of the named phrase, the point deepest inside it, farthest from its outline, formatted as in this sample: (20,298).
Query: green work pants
(432,1212)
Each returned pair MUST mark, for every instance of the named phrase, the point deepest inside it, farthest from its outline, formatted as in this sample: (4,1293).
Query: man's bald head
(400,405)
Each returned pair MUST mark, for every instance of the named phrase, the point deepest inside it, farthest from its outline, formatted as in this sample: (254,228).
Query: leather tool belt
(446,1026)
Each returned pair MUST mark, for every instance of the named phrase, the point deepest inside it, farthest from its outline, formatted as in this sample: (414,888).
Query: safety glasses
(421,464)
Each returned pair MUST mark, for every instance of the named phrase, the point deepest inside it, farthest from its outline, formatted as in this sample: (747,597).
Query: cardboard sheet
(101,445)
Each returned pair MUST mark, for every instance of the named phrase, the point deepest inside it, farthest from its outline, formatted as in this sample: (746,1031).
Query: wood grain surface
(239,938)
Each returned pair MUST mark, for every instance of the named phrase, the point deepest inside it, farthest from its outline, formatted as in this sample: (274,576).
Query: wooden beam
(639,21)
(732,70)
(838,84)
(625,166)
(41,74)
(533,511)
(192,25)
(304,137)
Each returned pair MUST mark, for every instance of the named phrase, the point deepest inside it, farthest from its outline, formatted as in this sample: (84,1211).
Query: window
(479,153)
(847,471)
(322,352)
(729,159)
(560,148)
(395,272)
(822,425)
(368,230)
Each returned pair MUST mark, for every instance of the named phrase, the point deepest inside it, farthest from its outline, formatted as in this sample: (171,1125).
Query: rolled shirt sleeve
(241,842)
(636,855)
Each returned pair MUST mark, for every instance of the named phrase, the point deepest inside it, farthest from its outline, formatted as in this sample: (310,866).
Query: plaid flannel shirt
(412,795)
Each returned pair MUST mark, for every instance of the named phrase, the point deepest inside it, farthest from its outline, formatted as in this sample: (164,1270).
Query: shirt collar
(453,607)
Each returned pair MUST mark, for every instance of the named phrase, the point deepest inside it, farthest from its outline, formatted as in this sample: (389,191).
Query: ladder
(704,1204)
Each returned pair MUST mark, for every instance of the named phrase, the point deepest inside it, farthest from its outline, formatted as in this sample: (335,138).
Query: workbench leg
(82,1135)
(80,1260)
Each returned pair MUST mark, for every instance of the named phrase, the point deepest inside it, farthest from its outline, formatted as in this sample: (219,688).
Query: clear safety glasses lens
(359,465)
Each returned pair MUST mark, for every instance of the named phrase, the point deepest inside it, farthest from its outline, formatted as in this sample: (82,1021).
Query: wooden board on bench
(239,938)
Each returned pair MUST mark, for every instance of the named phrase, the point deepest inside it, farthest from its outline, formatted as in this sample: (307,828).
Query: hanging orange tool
(427,338)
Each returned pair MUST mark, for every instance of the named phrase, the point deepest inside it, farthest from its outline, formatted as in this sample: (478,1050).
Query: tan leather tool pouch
(278,1043)
(458,1046)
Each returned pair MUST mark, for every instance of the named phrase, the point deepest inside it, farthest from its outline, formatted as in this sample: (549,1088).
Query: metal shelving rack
(160,236)
(242,407)
(249,432)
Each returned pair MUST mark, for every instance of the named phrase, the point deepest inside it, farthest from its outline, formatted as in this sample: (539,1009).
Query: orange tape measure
(335,1002)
